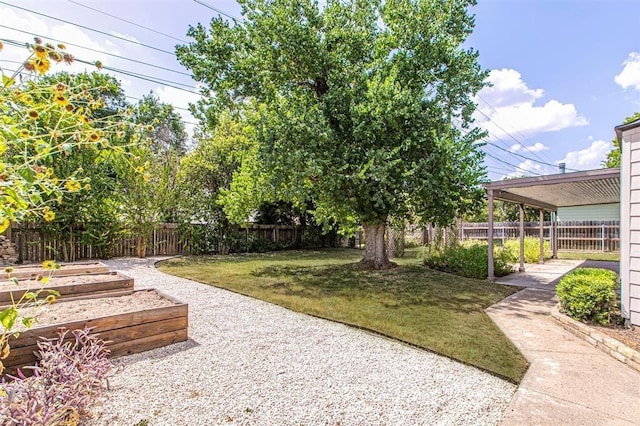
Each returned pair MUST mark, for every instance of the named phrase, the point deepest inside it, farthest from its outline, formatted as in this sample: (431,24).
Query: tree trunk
(141,246)
(375,254)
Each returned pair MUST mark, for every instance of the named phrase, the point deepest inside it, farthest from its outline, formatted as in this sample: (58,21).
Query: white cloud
(588,158)
(536,147)
(125,36)
(509,110)
(630,74)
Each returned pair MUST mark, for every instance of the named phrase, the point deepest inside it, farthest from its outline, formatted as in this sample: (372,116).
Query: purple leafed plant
(71,373)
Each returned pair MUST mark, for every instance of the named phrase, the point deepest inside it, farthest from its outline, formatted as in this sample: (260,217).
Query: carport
(547,193)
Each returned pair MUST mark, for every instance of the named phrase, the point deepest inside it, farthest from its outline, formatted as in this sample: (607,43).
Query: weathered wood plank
(33,271)
(109,283)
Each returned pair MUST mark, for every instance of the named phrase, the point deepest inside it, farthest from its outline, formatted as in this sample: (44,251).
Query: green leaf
(54,292)
(8,317)
(8,81)
(28,322)
(30,295)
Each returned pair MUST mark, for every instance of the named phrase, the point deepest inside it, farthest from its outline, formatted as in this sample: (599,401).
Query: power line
(517,131)
(168,83)
(501,128)
(97,51)
(127,21)
(221,12)
(90,29)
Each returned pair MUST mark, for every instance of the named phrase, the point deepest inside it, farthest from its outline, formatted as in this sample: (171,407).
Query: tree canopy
(362,106)
(614,156)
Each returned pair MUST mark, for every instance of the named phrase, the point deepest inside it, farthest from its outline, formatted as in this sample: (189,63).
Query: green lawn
(615,257)
(433,310)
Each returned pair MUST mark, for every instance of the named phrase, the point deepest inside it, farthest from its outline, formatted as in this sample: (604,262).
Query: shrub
(531,249)
(469,259)
(69,375)
(588,294)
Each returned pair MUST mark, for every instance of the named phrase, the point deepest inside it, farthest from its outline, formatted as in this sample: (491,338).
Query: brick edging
(609,345)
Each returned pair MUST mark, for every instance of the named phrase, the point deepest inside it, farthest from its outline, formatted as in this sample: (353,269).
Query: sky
(563,73)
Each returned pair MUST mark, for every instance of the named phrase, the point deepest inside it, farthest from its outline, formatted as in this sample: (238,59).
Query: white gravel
(253,363)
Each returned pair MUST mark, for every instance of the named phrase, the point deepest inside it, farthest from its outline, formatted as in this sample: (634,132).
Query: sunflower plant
(40,121)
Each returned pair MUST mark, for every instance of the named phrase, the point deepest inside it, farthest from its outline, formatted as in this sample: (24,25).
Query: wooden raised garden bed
(70,287)
(142,320)
(76,268)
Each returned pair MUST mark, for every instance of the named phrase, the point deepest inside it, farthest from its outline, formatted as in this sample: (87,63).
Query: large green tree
(356,102)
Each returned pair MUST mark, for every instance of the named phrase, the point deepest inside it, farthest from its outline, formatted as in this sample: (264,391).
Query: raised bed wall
(125,334)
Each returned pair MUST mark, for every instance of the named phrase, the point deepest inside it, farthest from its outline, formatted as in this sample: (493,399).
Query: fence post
(602,236)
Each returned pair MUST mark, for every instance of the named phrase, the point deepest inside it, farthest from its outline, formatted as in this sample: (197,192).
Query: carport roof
(549,192)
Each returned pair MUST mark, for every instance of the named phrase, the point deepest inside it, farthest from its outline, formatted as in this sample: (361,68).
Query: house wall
(593,212)
(630,225)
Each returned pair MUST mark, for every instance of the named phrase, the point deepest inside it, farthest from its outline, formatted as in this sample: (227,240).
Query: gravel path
(253,363)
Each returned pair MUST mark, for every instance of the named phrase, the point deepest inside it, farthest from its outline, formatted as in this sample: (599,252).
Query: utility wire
(127,21)
(506,132)
(221,12)
(97,51)
(90,29)
(517,131)
(168,83)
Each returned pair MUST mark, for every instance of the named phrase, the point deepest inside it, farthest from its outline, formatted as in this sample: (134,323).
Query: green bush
(588,294)
(531,249)
(469,259)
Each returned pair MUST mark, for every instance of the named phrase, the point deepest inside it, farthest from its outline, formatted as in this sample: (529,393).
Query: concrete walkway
(569,381)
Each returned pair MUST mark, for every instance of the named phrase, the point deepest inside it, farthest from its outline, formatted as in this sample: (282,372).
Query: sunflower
(98,64)
(69,107)
(61,87)
(61,46)
(8,270)
(26,98)
(67,58)
(33,114)
(84,119)
(29,66)
(61,100)
(49,264)
(24,133)
(55,56)
(149,128)
(48,215)
(50,299)
(73,185)
(94,137)
(40,51)
(42,65)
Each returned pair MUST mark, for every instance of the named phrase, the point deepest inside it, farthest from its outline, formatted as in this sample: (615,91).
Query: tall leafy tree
(357,102)
(166,129)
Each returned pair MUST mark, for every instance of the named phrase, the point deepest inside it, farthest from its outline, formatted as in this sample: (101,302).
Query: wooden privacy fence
(33,245)
(571,235)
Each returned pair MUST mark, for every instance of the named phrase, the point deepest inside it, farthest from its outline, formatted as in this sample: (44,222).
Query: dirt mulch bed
(85,309)
(29,283)
(628,336)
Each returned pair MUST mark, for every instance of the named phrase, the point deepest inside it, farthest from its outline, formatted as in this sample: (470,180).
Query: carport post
(541,260)
(521,269)
(490,275)
(554,240)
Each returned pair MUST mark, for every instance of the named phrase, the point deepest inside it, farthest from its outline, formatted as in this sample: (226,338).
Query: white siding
(593,212)
(630,225)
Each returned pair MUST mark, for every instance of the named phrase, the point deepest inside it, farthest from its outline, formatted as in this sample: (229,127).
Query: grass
(614,257)
(432,310)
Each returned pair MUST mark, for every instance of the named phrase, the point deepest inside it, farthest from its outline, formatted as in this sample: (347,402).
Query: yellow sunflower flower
(32,114)
(48,215)
(49,265)
(50,299)
(42,65)
(73,185)
(60,100)
(40,51)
